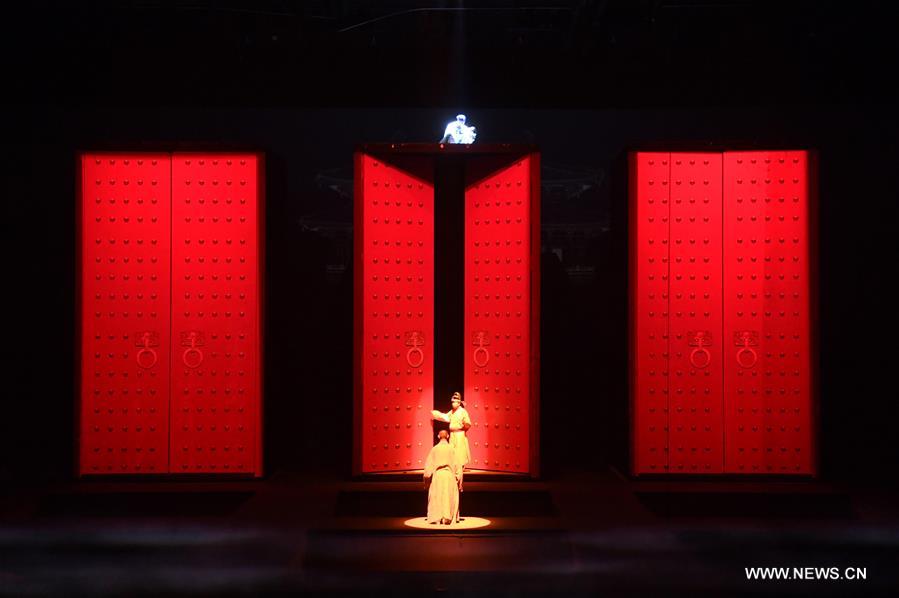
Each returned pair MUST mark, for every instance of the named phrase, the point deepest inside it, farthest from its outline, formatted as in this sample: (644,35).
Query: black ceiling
(494,53)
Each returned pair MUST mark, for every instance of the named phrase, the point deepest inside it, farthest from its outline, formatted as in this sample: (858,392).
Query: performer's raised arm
(438,416)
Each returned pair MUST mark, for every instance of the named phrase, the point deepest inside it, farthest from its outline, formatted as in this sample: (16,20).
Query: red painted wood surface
(695,415)
(767,319)
(650,210)
(124,301)
(721,298)
(170,301)
(498,318)
(395,315)
(216,350)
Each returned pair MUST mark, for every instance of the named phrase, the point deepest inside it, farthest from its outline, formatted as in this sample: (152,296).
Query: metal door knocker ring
(415,351)
(192,362)
(142,362)
(486,359)
(192,356)
(700,339)
(746,339)
(480,339)
(754,357)
(704,362)
(415,340)
(146,340)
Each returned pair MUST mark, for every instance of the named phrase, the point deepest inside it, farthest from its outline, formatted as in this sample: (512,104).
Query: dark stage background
(585,82)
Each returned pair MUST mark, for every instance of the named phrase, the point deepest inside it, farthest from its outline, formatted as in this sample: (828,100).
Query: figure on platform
(442,478)
(458,132)
(459,422)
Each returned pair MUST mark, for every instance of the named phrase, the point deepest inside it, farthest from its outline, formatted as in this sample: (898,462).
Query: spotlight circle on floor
(464,524)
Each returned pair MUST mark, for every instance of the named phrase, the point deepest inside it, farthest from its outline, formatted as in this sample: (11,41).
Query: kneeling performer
(442,477)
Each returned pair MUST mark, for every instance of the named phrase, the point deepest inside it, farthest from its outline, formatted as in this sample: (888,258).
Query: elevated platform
(430,149)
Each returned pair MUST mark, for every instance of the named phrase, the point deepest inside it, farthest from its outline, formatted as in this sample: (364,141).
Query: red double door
(395,314)
(721,313)
(170,327)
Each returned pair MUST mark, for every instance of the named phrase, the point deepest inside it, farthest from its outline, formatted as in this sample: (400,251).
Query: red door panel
(767,365)
(170,276)
(124,298)
(736,297)
(395,315)
(216,351)
(694,315)
(650,213)
(498,318)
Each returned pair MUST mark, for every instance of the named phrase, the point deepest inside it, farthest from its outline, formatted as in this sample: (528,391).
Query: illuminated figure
(442,477)
(459,422)
(458,132)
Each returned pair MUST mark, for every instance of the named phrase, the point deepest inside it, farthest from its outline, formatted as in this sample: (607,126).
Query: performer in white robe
(442,477)
(458,132)
(459,422)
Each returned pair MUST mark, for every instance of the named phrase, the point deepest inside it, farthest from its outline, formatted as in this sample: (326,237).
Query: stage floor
(585,534)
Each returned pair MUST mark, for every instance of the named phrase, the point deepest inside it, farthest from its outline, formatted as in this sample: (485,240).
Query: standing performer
(442,478)
(459,422)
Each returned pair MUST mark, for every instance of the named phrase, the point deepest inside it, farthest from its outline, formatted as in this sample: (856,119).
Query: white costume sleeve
(429,464)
